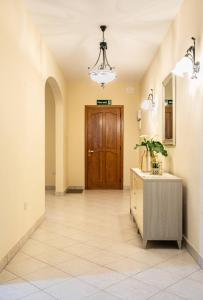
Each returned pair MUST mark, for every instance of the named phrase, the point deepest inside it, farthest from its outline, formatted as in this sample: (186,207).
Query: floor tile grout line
(119,240)
(181,279)
(127,277)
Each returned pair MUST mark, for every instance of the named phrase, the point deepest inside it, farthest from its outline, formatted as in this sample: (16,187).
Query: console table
(156,206)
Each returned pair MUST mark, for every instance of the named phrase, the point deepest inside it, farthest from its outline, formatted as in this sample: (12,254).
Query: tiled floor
(88,248)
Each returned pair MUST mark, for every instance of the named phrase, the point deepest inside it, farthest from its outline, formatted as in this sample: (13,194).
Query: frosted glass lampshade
(146,105)
(102,76)
(183,67)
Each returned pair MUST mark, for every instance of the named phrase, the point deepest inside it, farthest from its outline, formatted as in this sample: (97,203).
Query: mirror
(169,103)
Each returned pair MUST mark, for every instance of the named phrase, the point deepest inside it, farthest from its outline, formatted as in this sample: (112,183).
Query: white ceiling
(135,31)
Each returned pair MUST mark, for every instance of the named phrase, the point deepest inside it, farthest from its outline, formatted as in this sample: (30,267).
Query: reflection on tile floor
(88,248)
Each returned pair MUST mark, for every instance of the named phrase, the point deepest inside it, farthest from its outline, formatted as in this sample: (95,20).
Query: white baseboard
(12,252)
(193,252)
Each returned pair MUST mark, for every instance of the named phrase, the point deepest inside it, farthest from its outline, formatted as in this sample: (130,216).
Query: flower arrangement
(150,161)
(152,145)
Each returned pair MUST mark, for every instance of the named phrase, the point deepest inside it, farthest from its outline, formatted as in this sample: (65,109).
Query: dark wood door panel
(104,149)
(95,166)
(112,170)
(95,130)
(112,133)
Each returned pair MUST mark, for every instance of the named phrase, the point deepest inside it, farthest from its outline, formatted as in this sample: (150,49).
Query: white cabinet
(156,206)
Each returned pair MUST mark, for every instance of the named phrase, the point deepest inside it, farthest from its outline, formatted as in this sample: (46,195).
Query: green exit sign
(104,102)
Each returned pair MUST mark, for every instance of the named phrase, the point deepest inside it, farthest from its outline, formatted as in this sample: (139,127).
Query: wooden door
(104,147)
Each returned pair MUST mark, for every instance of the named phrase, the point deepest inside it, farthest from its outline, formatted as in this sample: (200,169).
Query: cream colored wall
(26,64)
(81,93)
(50,151)
(185,159)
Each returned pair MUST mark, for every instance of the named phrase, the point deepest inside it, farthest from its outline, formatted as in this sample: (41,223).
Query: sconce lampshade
(183,67)
(146,105)
(188,64)
(149,104)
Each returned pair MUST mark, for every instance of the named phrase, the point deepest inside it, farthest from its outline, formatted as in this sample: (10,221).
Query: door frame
(122,139)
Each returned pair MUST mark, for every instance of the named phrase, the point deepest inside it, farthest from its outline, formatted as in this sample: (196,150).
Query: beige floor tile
(101,296)
(197,276)
(71,289)
(6,276)
(19,257)
(136,242)
(16,289)
(101,277)
(81,234)
(165,296)
(55,227)
(100,243)
(43,235)
(182,265)
(125,249)
(127,266)
(104,257)
(188,289)
(158,278)
(39,296)
(46,277)
(132,289)
(33,247)
(147,257)
(82,249)
(25,267)
(167,253)
(61,242)
(78,266)
(54,256)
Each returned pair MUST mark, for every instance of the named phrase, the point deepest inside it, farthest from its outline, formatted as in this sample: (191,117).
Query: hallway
(88,248)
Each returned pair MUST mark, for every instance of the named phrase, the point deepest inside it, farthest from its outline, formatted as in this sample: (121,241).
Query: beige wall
(81,93)
(50,151)
(25,66)
(185,159)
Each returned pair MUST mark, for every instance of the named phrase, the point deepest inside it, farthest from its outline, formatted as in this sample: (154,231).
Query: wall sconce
(188,64)
(149,104)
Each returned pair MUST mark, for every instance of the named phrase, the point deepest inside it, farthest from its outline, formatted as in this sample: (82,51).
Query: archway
(55,130)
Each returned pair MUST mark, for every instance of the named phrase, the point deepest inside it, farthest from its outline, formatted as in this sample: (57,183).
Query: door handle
(90,151)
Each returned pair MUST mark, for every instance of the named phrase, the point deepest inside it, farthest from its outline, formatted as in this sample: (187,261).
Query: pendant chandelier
(102,72)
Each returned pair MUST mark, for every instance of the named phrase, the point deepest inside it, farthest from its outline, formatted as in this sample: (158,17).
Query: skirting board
(49,188)
(12,252)
(52,188)
(197,257)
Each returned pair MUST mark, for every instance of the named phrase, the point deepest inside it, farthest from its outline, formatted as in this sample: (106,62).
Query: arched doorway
(54,137)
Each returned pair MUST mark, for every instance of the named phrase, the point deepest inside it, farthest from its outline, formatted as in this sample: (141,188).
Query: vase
(156,165)
(146,161)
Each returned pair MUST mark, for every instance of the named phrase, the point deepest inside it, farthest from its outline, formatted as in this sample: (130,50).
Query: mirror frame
(168,142)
